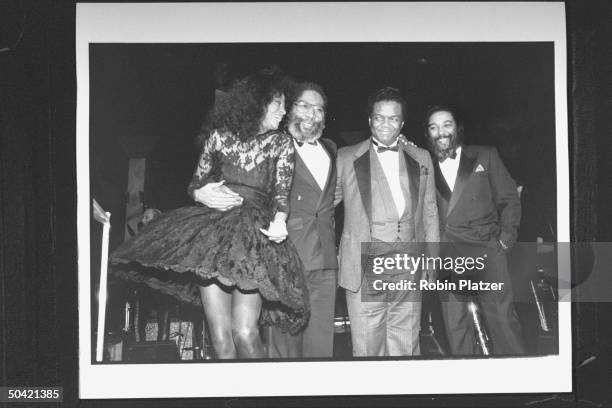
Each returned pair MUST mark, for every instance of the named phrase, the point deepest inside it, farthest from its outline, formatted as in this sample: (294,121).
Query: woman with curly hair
(231,260)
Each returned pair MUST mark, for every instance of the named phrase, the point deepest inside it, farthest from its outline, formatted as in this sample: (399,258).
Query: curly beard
(442,154)
(300,134)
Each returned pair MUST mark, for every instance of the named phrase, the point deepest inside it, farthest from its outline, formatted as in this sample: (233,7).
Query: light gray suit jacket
(354,188)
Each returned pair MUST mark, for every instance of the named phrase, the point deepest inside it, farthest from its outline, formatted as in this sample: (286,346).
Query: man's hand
(431,275)
(275,315)
(277,231)
(402,140)
(217,196)
(503,245)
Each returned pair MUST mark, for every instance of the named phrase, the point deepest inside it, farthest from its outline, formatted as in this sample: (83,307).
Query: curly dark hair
(244,107)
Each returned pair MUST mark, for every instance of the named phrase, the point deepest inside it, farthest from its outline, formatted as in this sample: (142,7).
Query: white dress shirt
(316,159)
(389,162)
(450,167)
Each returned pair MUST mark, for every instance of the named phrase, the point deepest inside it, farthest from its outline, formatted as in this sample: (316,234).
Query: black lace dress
(191,245)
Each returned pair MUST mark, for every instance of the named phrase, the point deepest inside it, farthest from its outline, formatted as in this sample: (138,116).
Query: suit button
(316,215)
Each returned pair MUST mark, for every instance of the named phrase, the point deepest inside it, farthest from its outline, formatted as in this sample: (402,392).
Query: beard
(297,130)
(442,153)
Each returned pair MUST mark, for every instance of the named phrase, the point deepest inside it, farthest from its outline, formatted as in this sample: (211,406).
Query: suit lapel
(441,184)
(362,174)
(414,174)
(331,171)
(466,167)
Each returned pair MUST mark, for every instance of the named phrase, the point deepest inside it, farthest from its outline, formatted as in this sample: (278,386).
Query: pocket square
(479,169)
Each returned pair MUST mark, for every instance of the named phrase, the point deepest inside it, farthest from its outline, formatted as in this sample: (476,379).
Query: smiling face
(386,121)
(443,133)
(274,114)
(307,117)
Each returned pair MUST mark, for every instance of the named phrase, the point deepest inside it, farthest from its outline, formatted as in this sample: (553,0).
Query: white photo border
(329,22)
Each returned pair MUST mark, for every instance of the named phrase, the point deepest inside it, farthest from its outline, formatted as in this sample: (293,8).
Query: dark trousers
(317,339)
(500,318)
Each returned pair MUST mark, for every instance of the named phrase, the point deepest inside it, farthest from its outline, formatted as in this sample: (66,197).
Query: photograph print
(304,201)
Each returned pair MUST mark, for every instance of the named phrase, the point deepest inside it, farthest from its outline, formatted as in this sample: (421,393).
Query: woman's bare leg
(218,309)
(246,308)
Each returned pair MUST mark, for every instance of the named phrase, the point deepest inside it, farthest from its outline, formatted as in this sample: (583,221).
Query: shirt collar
(376,143)
(299,144)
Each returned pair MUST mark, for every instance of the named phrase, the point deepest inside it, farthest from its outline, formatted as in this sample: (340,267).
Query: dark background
(38,255)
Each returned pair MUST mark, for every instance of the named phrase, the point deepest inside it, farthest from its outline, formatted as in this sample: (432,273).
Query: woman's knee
(223,343)
(245,334)
(221,335)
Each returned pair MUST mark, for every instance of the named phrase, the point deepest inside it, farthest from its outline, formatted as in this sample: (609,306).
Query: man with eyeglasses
(310,224)
(387,185)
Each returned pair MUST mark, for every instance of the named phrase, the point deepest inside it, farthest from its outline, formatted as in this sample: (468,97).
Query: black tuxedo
(311,216)
(484,204)
(311,230)
(482,209)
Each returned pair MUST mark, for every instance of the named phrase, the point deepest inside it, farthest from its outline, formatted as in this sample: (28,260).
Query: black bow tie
(382,148)
(313,143)
(446,155)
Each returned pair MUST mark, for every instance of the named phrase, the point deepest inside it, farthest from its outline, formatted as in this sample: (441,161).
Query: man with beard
(387,186)
(310,224)
(480,212)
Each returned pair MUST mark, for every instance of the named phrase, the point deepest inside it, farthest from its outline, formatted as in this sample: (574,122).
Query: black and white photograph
(305,204)
(146,104)
(231,172)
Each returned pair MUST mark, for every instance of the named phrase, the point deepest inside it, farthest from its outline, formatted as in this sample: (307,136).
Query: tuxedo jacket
(484,206)
(354,188)
(311,216)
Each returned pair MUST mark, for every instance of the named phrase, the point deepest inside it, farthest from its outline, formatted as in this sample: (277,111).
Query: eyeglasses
(303,107)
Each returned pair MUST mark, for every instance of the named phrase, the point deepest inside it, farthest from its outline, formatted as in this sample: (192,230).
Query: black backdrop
(38,255)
